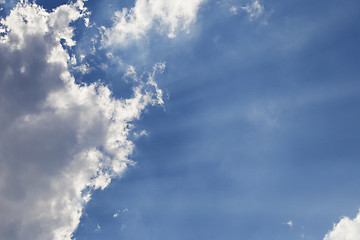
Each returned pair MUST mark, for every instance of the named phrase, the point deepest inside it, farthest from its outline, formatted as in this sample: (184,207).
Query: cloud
(289,223)
(121,212)
(233,10)
(254,9)
(98,228)
(59,141)
(346,229)
(163,15)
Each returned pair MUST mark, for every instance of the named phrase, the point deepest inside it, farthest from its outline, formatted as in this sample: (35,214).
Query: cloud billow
(346,229)
(162,15)
(59,141)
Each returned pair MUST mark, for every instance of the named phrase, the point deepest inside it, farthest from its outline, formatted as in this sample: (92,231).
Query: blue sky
(258,134)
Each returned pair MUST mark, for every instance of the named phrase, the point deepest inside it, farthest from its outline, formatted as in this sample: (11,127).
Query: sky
(181,119)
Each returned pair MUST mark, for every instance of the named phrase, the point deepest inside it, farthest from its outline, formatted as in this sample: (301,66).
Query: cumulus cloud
(163,15)
(346,229)
(59,141)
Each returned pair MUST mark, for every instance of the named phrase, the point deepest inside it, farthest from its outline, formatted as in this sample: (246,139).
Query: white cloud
(141,133)
(346,229)
(119,212)
(163,15)
(254,9)
(290,223)
(233,9)
(58,140)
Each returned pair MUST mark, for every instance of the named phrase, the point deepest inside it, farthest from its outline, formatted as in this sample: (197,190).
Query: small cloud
(120,212)
(289,223)
(254,9)
(233,10)
(83,68)
(140,134)
(98,228)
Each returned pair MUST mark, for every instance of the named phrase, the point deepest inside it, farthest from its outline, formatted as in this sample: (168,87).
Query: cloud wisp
(254,9)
